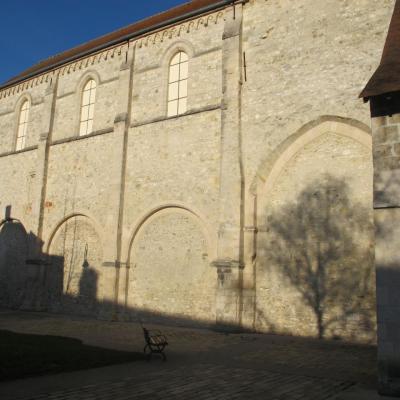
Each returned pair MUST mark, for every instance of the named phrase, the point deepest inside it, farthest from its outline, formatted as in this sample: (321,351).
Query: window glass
(173,91)
(87,108)
(22,126)
(182,107)
(178,84)
(173,107)
(183,88)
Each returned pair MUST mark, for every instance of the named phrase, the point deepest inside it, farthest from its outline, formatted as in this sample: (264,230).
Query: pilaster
(229,261)
(113,269)
(36,258)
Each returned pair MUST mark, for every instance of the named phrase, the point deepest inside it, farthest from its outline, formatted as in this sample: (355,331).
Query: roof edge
(203,10)
(386,78)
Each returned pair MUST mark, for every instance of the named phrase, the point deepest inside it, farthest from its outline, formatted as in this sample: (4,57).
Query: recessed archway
(74,277)
(170,275)
(314,259)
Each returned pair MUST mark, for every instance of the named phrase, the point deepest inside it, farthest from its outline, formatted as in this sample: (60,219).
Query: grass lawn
(28,355)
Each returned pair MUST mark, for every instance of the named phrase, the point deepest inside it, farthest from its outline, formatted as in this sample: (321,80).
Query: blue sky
(31,31)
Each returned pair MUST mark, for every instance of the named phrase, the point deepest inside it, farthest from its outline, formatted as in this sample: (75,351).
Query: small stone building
(210,165)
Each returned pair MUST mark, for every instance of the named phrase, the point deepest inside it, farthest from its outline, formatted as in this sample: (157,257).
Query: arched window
(177,84)
(87,108)
(22,125)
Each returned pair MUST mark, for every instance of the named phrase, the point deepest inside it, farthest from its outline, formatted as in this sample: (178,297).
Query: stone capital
(115,264)
(122,117)
(227,264)
(43,136)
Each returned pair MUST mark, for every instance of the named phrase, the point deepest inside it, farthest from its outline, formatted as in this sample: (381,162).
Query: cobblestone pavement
(207,382)
(201,365)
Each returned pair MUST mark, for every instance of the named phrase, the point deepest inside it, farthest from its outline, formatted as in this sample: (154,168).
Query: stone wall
(182,212)
(315,271)
(170,268)
(9,113)
(306,64)
(386,131)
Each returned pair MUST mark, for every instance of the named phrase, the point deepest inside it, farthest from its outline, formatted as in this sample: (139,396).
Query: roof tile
(386,78)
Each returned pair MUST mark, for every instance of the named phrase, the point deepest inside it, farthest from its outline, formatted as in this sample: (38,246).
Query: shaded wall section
(315,273)
(78,268)
(14,273)
(24,269)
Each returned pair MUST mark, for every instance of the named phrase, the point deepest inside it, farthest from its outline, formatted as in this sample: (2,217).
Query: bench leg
(148,352)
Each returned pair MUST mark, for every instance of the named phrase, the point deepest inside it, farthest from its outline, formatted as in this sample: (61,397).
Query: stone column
(386,153)
(229,263)
(113,268)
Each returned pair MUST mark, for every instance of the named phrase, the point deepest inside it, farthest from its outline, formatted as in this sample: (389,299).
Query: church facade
(210,165)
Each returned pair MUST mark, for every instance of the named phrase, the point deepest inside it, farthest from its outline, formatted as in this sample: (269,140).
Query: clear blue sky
(31,31)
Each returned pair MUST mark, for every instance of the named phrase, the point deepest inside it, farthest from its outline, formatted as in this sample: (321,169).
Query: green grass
(24,355)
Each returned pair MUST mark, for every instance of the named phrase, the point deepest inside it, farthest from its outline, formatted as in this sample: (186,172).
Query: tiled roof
(154,22)
(386,79)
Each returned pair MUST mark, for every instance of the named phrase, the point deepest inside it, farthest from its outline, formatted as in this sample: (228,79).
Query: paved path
(207,382)
(201,365)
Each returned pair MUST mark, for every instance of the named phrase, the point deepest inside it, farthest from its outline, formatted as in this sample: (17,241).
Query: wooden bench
(155,343)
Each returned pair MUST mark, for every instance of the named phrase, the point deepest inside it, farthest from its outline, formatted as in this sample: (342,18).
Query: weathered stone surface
(273,115)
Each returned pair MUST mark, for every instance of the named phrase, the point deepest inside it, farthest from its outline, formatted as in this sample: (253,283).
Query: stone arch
(170,275)
(173,48)
(75,248)
(271,165)
(17,112)
(314,213)
(56,227)
(21,99)
(14,273)
(86,77)
(89,74)
(164,64)
(208,232)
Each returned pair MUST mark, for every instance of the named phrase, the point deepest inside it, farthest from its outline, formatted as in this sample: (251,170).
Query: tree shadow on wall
(320,245)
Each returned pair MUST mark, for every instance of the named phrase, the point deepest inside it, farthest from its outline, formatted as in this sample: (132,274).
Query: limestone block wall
(302,66)
(172,176)
(14,275)
(69,96)
(75,282)
(174,161)
(315,271)
(193,217)
(305,60)
(9,118)
(81,179)
(173,165)
(151,69)
(18,186)
(170,274)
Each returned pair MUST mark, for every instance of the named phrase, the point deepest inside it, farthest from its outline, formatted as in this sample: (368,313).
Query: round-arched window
(87,107)
(178,84)
(22,125)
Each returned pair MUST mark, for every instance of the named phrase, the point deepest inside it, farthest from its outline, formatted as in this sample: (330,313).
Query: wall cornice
(120,50)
